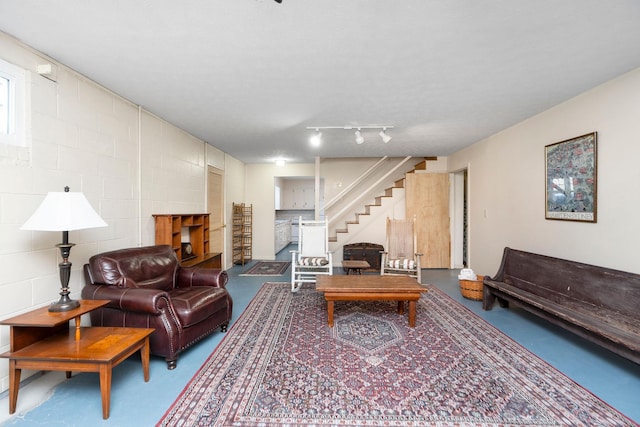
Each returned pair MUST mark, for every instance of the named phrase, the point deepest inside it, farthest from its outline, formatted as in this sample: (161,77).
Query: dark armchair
(149,289)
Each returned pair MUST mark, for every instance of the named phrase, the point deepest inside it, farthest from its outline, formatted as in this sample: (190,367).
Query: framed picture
(571,174)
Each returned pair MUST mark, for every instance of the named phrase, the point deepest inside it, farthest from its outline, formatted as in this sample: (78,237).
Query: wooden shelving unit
(242,233)
(170,229)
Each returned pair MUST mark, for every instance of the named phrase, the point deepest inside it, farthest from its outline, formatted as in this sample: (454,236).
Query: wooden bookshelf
(170,229)
(242,233)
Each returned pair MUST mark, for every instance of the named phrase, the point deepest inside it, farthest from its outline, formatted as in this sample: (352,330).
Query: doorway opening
(460,219)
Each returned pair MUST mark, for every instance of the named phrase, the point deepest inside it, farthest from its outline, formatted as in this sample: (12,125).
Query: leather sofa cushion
(195,304)
(151,267)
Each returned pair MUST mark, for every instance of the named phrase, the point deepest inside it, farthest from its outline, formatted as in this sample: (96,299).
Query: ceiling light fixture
(280,162)
(383,134)
(315,138)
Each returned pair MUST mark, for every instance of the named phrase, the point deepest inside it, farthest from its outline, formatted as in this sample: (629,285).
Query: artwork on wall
(571,174)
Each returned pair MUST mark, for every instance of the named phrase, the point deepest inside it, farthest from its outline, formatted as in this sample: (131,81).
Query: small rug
(281,365)
(267,268)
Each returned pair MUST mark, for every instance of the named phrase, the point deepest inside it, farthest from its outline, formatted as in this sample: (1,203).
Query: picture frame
(571,179)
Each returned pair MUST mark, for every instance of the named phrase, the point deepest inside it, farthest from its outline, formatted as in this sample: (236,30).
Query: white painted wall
(128,162)
(339,173)
(259,190)
(506,180)
(234,185)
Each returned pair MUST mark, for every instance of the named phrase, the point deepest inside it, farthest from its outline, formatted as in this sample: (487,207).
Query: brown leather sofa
(148,288)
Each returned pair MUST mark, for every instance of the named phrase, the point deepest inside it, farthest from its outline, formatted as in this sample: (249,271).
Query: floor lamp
(64,211)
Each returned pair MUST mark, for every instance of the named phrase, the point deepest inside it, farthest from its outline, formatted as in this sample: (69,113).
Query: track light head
(359,137)
(383,134)
(316,138)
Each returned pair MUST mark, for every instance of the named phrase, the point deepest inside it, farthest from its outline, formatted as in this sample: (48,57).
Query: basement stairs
(369,215)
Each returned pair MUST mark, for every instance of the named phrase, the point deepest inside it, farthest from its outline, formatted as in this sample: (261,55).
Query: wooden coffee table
(42,340)
(371,288)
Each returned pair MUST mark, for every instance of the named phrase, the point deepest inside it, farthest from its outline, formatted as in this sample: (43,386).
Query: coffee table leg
(14,385)
(330,313)
(400,307)
(105,388)
(412,314)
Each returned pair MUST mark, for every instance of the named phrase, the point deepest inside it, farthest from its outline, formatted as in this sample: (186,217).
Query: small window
(12,105)
(4,105)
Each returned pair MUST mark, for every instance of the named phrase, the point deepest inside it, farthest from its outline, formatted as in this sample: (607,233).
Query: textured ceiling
(249,76)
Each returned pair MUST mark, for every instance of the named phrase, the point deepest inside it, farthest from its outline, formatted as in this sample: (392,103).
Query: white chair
(312,257)
(400,256)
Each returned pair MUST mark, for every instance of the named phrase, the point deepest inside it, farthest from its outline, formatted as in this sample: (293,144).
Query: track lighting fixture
(315,138)
(383,134)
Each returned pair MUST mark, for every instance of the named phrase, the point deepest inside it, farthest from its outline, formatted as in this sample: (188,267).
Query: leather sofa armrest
(149,301)
(201,276)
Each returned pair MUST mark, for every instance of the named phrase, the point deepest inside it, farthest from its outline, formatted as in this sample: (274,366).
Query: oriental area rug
(281,365)
(267,268)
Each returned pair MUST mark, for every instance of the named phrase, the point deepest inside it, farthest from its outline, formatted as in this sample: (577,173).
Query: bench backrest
(558,279)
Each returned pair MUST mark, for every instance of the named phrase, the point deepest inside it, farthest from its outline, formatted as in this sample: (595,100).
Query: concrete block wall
(128,163)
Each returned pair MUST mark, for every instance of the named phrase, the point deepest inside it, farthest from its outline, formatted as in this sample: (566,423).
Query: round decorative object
(187,249)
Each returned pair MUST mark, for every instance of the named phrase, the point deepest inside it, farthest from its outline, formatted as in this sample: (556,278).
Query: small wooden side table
(354,266)
(42,340)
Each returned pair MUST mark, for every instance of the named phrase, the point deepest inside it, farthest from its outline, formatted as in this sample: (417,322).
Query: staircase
(370,216)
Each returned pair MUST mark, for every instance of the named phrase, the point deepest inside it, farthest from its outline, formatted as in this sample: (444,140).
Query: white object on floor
(467,274)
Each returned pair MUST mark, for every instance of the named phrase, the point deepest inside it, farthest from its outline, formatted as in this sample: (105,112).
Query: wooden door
(427,197)
(215,202)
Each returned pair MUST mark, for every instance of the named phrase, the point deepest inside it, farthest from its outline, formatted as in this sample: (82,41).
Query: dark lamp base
(64,304)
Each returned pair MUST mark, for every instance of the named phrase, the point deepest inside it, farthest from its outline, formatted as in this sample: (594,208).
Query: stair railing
(355,200)
(355,182)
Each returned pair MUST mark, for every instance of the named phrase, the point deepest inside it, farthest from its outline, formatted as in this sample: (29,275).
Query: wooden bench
(597,303)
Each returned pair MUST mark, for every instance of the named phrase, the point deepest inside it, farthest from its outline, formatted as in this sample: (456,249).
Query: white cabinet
(298,194)
(299,197)
(282,235)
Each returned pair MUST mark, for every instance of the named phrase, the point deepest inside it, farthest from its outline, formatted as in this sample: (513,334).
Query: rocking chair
(312,257)
(400,257)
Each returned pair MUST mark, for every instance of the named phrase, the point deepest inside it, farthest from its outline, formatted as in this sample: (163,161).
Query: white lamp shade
(64,211)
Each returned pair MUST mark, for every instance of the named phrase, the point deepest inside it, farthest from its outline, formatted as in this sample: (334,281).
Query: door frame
(222,211)
(460,218)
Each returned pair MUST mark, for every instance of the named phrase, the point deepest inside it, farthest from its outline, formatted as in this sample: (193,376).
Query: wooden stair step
(421,166)
(388,192)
